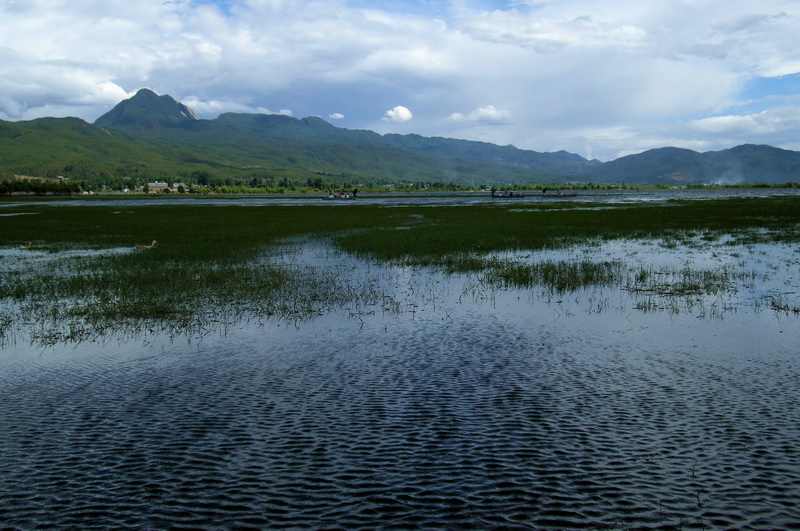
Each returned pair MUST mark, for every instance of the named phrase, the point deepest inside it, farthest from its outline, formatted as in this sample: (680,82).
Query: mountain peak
(147,109)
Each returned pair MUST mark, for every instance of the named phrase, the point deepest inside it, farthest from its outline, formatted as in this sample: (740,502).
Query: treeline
(204,182)
(299,188)
(39,187)
(611,187)
(207,182)
(210,182)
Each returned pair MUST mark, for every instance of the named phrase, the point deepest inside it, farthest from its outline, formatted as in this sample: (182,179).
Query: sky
(600,78)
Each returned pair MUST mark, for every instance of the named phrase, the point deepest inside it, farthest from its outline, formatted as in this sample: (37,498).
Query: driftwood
(147,246)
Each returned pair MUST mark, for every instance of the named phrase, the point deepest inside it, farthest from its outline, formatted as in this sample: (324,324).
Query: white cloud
(488,114)
(398,114)
(336,116)
(214,108)
(784,120)
(600,77)
(551,34)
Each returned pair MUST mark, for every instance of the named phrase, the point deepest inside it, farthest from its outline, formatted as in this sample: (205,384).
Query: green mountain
(149,137)
(747,163)
(256,141)
(750,163)
(147,110)
(667,165)
(69,146)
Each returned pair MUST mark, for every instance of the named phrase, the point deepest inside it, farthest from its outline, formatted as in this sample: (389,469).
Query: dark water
(471,409)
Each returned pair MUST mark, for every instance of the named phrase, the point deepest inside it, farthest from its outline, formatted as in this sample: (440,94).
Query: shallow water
(449,404)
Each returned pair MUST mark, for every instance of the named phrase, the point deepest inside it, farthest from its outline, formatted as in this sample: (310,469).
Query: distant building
(156,187)
(159,187)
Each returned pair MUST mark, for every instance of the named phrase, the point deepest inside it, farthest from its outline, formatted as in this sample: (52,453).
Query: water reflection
(445,404)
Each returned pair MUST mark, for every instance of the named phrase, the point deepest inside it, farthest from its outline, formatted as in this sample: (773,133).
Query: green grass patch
(557,276)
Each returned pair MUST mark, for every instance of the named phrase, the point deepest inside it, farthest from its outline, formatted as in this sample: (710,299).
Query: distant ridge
(156,137)
(148,110)
(747,163)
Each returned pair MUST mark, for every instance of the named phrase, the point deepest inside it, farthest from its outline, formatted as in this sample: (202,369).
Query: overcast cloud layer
(600,78)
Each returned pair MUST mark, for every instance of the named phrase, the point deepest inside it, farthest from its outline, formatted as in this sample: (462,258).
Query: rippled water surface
(451,405)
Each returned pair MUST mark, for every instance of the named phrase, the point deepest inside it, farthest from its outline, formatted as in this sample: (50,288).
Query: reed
(557,276)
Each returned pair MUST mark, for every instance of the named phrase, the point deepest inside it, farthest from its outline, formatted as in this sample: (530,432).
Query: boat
(337,197)
(506,195)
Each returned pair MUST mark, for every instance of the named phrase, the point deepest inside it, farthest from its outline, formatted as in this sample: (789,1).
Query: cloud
(552,34)
(398,114)
(600,77)
(779,127)
(488,114)
(216,107)
(336,116)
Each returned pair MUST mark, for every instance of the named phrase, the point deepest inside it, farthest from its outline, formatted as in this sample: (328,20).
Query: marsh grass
(457,233)
(681,281)
(215,262)
(557,276)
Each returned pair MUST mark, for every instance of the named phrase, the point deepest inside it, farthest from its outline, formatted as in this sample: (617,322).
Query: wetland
(608,362)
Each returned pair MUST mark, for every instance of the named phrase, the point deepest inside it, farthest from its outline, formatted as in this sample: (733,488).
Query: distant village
(159,187)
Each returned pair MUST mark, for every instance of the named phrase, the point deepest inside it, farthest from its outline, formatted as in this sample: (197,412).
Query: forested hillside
(150,137)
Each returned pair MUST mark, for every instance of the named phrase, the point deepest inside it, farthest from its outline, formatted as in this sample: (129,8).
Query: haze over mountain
(152,136)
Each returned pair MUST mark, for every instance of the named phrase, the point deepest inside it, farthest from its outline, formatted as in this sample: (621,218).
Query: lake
(451,402)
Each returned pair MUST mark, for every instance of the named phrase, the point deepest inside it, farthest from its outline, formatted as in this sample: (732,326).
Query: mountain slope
(71,147)
(147,110)
(155,137)
(674,166)
(667,165)
(750,163)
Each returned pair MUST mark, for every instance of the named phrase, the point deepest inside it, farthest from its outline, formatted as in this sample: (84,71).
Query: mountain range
(155,137)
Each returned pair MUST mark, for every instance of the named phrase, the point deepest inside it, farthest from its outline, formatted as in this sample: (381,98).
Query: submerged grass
(453,236)
(213,261)
(557,276)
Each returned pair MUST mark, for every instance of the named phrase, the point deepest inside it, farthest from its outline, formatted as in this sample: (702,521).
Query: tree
(203,178)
